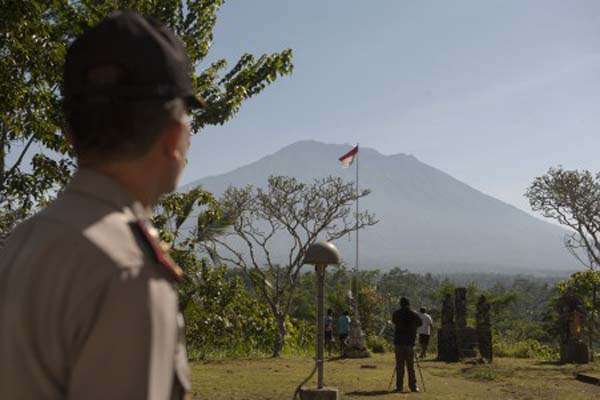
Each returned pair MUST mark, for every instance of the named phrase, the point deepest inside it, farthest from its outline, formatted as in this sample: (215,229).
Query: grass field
(505,379)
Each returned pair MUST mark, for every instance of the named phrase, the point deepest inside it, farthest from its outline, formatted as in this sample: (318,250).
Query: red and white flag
(348,158)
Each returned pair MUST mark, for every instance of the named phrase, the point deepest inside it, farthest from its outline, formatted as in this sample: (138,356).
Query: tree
(572,198)
(184,238)
(291,211)
(419,289)
(220,315)
(34,36)
(371,304)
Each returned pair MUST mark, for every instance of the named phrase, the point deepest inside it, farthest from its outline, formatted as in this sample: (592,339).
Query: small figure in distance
(342,328)
(329,331)
(424,330)
(88,306)
(406,322)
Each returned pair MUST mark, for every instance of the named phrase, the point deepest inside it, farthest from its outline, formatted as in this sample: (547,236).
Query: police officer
(88,307)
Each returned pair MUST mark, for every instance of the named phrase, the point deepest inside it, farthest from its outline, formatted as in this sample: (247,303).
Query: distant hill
(428,219)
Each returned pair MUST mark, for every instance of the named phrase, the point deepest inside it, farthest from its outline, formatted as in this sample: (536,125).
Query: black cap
(127,56)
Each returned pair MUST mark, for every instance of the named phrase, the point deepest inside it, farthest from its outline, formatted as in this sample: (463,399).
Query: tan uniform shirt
(87,310)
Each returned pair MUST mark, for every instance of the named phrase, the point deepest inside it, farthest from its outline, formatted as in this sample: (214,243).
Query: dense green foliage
(225,317)
(35,159)
(522,310)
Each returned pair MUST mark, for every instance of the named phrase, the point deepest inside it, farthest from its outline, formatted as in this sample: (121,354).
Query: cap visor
(195,101)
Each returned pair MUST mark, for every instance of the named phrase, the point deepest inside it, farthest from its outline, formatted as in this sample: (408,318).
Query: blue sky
(491,92)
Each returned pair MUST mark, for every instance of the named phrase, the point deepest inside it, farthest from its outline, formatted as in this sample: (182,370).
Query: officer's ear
(176,141)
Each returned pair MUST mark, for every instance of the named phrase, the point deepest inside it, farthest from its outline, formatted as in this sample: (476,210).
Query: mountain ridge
(427,217)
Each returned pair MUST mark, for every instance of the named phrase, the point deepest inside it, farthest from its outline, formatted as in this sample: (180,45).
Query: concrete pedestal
(356,347)
(326,393)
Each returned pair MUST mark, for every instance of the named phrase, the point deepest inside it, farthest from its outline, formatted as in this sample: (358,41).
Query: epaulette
(159,250)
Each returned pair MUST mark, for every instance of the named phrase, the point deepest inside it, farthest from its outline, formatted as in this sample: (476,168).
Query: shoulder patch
(159,250)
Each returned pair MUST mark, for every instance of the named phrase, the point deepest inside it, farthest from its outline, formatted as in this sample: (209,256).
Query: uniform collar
(107,190)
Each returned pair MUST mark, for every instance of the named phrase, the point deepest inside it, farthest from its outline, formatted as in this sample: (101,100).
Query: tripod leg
(392,380)
(420,372)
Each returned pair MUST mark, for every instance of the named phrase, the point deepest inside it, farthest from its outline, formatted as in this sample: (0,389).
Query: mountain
(428,220)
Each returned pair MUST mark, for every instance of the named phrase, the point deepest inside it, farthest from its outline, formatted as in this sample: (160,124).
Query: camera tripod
(420,374)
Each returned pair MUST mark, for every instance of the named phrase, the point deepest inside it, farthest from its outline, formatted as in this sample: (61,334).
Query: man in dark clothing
(406,321)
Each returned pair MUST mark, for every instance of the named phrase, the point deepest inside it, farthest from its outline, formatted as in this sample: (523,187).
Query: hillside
(428,219)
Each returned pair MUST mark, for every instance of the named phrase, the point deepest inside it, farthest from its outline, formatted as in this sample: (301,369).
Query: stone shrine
(447,347)
(571,321)
(484,329)
(457,340)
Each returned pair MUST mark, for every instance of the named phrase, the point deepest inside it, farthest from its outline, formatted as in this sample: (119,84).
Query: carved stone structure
(447,346)
(484,329)
(571,321)
(468,341)
(460,307)
(448,311)
(466,337)
(456,340)
(356,346)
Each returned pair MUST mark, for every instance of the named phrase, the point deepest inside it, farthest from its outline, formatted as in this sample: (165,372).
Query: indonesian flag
(348,158)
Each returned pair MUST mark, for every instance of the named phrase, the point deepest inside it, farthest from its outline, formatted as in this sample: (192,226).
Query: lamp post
(320,254)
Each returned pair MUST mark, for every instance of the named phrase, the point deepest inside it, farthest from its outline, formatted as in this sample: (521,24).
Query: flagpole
(356,343)
(356,260)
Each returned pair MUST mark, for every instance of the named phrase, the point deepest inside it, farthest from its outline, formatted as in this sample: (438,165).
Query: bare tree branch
(286,207)
(572,198)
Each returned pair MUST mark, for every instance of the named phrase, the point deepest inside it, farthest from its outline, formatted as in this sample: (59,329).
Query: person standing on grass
(342,328)
(406,322)
(329,330)
(424,330)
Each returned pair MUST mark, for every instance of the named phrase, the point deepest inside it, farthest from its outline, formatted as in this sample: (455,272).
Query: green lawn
(505,379)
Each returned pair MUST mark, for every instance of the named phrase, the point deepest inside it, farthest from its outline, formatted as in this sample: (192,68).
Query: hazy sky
(491,92)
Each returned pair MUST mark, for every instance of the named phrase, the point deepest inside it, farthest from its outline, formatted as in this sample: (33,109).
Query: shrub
(224,320)
(300,338)
(528,348)
(377,344)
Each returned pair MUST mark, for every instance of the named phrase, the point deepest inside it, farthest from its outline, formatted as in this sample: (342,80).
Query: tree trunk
(281,332)
(593,322)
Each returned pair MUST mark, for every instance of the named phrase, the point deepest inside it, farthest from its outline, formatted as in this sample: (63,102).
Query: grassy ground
(505,379)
